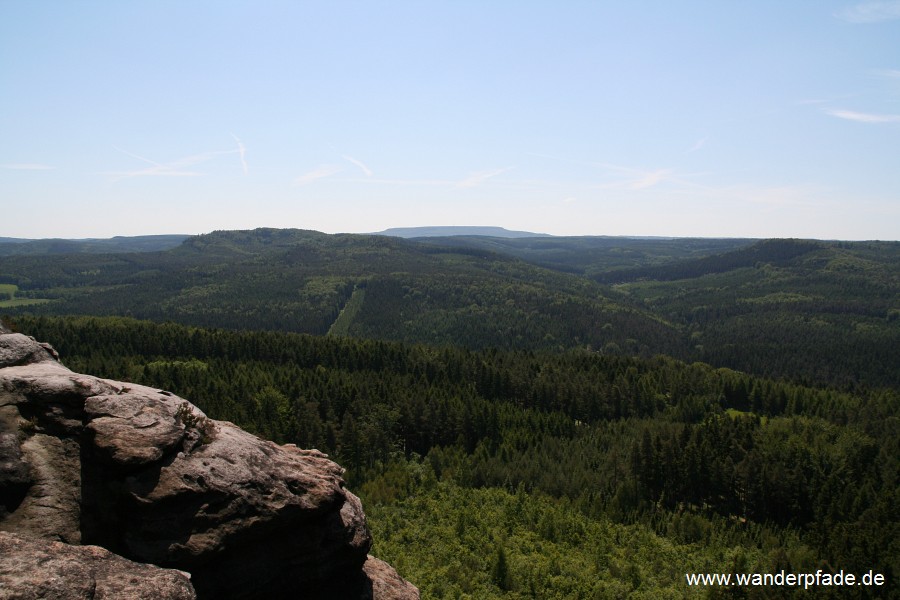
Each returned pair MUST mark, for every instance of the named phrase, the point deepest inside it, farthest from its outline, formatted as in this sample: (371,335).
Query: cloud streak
(640,179)
(476,179)
(406,182)
(175,168)
(871,12)
(318,173)
(27,167)
(651,179)
(366,170)
(859,117)
(241,150)
(698,144)
(890,74)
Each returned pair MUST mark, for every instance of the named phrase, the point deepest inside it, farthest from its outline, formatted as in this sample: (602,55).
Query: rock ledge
(147,476)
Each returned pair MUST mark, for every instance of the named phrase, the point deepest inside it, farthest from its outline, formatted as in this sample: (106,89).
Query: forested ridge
(300,281)
(143,243)
(534,417)
(573,474)
(776,308)
(607,259)
(823,313)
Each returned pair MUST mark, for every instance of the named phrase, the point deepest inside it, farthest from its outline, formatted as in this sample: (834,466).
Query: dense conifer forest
(546,417)
(582,470)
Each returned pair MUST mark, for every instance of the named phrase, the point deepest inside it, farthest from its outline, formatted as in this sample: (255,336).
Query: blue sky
(714,119)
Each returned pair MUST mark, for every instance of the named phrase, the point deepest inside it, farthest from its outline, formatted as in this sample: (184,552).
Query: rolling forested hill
(141,243)
(818,312)
(533,403)
(824,313)
(367,286)
(600,257)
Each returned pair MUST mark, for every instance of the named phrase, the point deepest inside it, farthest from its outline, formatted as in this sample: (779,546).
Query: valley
(593,429)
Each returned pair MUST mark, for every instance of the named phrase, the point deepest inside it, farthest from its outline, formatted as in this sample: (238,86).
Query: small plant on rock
(203,426)
(28,427)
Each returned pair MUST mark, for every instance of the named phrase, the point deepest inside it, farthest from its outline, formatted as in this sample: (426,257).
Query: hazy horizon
(536,234)
(697,119)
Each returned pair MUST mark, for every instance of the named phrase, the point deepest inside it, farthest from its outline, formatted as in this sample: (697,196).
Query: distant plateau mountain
(447,231)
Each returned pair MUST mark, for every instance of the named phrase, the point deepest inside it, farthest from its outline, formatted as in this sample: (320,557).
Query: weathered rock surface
(386,582)
(36,568)
(146,475)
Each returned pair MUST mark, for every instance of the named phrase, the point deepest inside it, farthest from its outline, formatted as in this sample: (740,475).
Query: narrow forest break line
(351,308)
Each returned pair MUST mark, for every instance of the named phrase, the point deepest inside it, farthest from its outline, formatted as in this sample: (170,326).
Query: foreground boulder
(148,476)
(36,568)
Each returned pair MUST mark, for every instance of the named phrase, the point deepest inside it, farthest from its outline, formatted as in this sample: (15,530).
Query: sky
(710,119)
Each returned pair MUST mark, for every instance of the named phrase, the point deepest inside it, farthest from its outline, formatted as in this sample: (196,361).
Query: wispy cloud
(175,168)
(476,179)
(26,167)
(620,177)
(640,179)
(802,195)
(771,196)
(241,150)
(852,115)
(366,170)
(887,73)
(651,179)
(406,182)
(871,12)
(890,78)
(698,144)
(317,173)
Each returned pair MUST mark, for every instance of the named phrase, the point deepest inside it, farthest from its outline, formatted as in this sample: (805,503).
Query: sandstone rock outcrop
(148,476)
(33,568)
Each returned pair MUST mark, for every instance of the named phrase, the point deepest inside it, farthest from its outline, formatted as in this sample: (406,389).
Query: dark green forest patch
(715,468)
